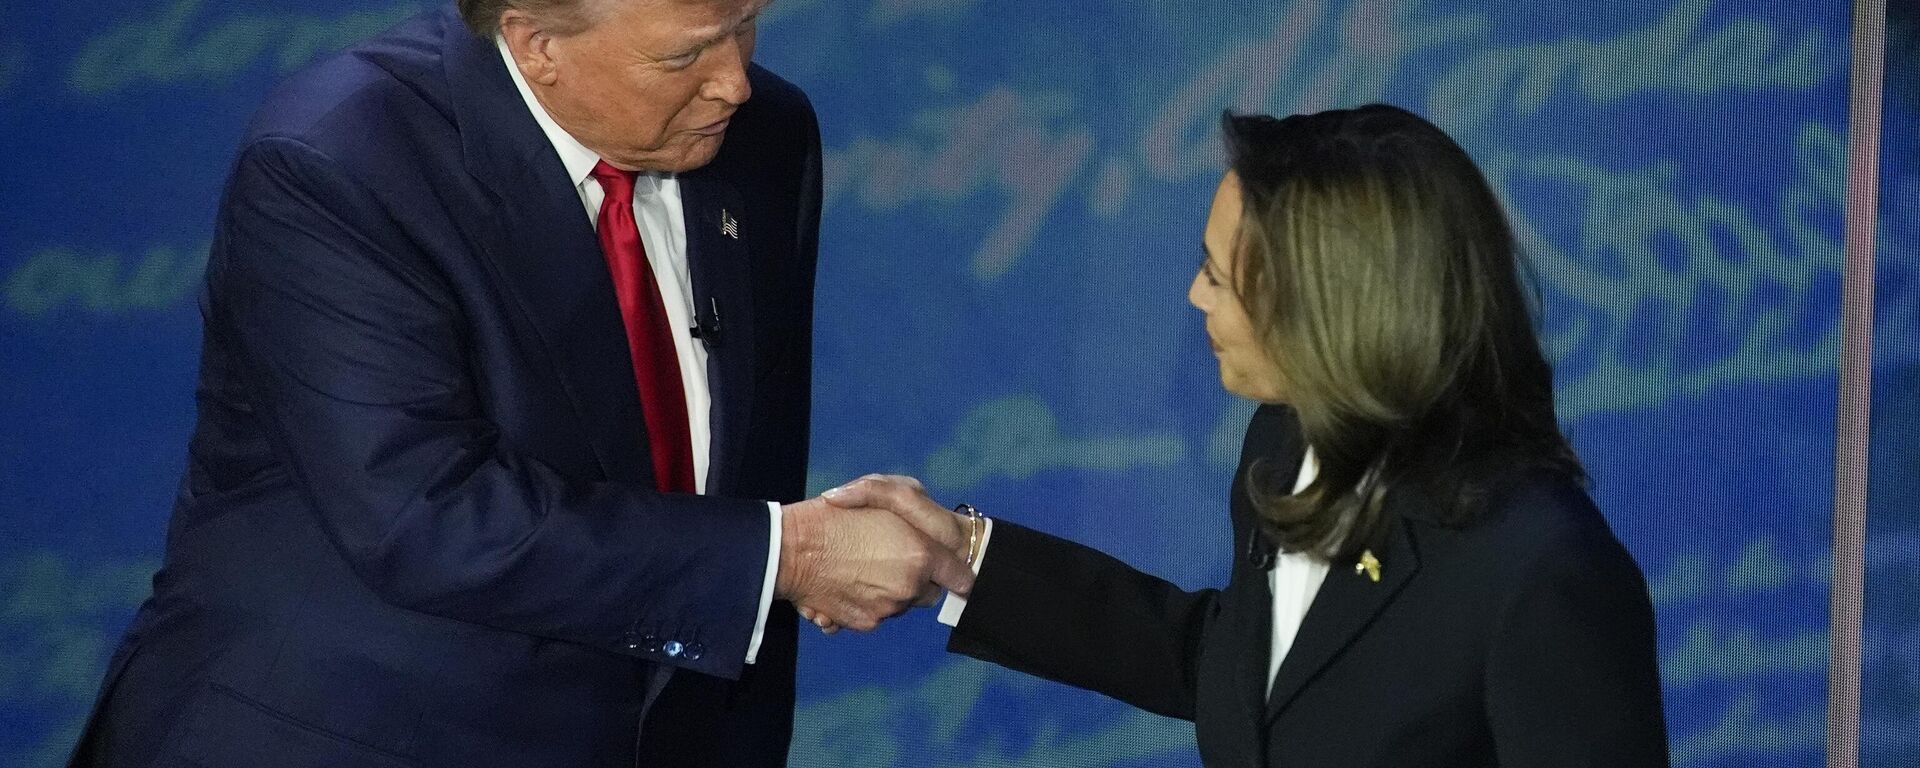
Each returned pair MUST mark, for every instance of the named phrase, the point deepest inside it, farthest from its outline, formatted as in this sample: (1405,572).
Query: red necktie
(656,363)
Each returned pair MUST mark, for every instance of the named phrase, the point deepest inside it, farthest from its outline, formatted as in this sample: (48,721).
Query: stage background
(1014,195)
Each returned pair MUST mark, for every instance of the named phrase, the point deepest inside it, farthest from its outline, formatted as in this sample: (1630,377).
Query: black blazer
(418,524)
(1524,640)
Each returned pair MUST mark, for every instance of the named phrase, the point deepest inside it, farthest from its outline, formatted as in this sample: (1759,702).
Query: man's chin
(703,151)
(690,156)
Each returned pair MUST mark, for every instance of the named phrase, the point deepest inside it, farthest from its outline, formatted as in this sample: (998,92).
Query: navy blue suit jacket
(418,525)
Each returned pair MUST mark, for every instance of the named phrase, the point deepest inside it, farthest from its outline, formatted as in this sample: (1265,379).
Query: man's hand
(856,566)
(906,497)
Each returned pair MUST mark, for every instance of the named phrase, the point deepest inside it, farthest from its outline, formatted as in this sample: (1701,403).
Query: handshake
(868,551)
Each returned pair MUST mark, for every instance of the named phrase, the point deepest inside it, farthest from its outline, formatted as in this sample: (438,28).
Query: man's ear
(529,43)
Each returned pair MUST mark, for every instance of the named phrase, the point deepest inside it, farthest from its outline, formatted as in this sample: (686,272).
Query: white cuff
(954,605)
(766,589)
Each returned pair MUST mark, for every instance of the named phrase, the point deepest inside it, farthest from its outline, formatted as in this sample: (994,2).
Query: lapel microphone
(1259,555)
(708,330)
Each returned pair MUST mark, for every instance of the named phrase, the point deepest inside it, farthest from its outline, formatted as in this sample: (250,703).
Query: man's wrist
(798,536)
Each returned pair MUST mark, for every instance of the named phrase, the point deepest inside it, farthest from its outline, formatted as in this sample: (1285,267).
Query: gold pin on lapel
(1368,565)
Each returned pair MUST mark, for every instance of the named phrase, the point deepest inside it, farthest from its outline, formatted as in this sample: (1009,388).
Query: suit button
(695,651)
(650,644)
(674,648)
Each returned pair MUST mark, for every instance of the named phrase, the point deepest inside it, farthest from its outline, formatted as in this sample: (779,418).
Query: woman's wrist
(973,524)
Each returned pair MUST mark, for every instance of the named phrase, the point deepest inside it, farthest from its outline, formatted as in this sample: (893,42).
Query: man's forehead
(679,23)
(708,16)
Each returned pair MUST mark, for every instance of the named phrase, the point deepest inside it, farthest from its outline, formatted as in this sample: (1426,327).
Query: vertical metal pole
(1852,432)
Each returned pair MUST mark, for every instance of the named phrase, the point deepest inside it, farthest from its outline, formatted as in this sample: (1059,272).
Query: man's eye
(683,60)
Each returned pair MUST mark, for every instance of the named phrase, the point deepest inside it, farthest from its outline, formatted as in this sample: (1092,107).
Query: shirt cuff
(766,589)
(954,605)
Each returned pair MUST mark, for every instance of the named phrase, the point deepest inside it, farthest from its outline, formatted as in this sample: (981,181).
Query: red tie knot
(615,182)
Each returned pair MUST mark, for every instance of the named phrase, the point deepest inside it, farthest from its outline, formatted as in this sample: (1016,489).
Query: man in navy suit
(505,380)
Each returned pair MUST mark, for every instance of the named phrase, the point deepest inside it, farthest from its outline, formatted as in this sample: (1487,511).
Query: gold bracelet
(975,521)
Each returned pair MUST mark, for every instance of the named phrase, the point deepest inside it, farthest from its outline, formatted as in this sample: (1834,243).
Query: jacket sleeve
(1058,610)
(1571,675)
(353,347)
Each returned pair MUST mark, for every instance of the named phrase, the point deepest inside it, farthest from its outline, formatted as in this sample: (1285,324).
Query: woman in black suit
(1419,577)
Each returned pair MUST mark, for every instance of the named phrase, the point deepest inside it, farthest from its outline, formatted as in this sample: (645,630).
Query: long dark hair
(1381,275)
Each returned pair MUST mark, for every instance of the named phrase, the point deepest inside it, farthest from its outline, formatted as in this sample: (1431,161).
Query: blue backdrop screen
(1014,197)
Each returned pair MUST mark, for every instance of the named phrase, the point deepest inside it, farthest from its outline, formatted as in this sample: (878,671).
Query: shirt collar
(579,160)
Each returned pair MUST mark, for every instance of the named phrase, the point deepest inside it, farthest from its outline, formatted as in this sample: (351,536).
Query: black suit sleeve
(1052,608)
(1571,676)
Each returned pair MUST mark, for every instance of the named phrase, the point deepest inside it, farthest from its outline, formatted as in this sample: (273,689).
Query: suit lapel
(717,224)
(545,254)
(1253,600)
(1346,604)
(1274,447)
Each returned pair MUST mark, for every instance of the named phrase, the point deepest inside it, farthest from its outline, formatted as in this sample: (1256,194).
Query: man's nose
(728,82)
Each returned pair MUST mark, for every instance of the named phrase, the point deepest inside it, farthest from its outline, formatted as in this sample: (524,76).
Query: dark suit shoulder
(1538,523)
(369,103)
(1542,506)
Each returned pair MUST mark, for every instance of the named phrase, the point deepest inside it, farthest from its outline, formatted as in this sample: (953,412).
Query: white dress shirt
(663,232)
(1294,580)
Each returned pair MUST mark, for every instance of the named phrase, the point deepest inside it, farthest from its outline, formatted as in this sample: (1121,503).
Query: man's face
(649,85)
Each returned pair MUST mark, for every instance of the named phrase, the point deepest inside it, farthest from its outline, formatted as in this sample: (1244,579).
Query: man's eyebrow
(717,36)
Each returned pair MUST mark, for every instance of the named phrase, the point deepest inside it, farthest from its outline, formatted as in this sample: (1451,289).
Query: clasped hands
(868,551)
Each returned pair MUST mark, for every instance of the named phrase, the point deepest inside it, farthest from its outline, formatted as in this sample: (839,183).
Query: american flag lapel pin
(729,225)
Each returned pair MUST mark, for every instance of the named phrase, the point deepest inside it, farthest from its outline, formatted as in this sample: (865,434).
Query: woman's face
(1245,367)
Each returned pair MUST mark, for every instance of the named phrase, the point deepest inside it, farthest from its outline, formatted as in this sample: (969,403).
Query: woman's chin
(1235,386)
(1240,387)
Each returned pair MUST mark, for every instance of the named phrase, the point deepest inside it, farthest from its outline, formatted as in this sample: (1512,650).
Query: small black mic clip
(1260,554)
(708,330)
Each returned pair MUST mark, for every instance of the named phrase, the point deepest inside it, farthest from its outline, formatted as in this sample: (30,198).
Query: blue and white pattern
(1015,193)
